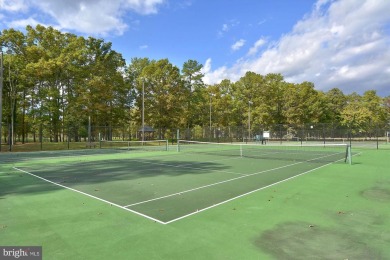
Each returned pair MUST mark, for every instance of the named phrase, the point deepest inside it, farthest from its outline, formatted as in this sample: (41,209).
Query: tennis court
(166,184)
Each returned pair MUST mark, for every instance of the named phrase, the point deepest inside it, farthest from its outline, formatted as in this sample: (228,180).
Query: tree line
(61,80)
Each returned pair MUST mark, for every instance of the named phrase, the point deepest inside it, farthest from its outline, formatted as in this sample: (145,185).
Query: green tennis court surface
(335,212)
(166,186)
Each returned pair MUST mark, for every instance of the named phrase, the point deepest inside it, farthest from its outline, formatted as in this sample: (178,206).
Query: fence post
(40,136)
(377,139)
(178,138)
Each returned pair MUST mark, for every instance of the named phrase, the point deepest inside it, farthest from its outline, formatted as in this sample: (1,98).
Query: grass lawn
(339,211)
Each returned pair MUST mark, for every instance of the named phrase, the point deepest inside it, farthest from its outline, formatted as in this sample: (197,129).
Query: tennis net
(150,145)
(303,152)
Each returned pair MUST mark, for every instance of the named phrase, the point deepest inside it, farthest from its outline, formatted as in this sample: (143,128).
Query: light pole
(11,133)
(143,110)
(1,95)
(210,117)
(211,95)
(249,120)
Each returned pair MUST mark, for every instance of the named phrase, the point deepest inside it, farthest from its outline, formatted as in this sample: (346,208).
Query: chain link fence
(46,137)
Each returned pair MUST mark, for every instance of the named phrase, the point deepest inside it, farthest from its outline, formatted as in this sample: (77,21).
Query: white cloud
(143,47)
(13,5)
(262,22)
(207,66)
(258,44)
(227,26)
(95,17)
(320,4)
(143,6)
(24,22)
(210,75)
(238,45)
(340,44)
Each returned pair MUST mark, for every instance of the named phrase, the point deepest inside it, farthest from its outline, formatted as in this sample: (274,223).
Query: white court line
(206,186)
(245,194)
(221,182)
(89,195)
(184,216)
(250,192)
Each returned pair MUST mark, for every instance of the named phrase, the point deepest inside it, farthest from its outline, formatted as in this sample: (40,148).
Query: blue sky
(333,43)
(204,29)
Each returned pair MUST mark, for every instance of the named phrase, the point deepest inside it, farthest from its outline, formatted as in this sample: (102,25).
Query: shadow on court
(113,174)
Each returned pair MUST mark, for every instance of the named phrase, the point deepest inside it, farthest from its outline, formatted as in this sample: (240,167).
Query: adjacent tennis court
(168,183)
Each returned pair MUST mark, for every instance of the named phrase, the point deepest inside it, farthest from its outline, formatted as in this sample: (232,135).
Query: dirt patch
(302,240)
(377,193)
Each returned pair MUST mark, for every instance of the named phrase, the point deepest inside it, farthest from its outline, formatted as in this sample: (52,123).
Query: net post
(166,145)
(241,150)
